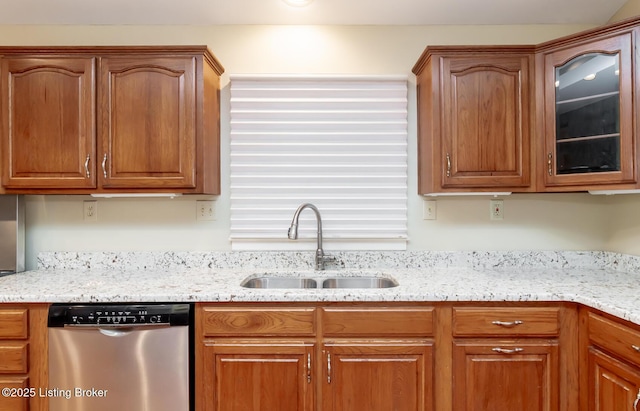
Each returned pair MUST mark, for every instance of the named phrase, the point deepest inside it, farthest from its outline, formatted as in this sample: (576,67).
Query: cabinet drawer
(377,321)
(13,323)
(265,321)
(487,321)
(13,357)
(11,402)
(614,337)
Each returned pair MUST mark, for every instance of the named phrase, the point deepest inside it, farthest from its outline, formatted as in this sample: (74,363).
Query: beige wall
(532,221)
(630,9)
(622,212)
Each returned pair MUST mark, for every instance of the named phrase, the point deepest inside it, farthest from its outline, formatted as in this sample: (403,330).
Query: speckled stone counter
(606,281)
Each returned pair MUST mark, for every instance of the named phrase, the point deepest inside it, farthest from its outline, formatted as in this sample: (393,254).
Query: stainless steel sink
(359,282)
(296,282)
(279,282)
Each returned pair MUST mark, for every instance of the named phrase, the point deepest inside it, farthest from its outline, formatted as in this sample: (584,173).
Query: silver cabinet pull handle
(550,163)
(635,403)
(104,166)
(308,368)
(86,166)
(448,165)
(507,324)
(507,350)
(635,347)
(329,368)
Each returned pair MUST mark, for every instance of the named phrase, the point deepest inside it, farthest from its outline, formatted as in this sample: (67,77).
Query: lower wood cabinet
(303,358)
(23,356)
(505,375)
(613,364)
(506,358)
(377,376)
(16,402)
(614,385)
(447,356)
(258,375)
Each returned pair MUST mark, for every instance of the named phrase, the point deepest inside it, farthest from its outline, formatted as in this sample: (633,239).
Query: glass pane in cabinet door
(588,114)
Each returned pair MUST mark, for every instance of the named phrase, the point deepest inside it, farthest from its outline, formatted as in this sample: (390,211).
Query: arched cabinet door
(589,114)
(475,116)
(147,123)
(48,122)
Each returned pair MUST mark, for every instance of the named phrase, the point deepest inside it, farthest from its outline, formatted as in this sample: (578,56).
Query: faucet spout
(320,258)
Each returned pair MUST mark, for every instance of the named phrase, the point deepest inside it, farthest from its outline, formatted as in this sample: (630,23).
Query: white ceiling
(356,12)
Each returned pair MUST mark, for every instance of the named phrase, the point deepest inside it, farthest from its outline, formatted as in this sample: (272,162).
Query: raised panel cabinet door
(17,396)
(491,375)
(147,125)
(377,376)
(258,376)
(486,121)
(589,114)
(613,385)
(48,122)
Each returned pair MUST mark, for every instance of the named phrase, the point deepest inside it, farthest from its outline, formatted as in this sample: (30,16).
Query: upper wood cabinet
(558,116)
(588,119)
(110,119)
(474,119)
(48,122)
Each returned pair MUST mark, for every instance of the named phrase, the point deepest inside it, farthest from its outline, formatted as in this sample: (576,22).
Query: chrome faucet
(321,257)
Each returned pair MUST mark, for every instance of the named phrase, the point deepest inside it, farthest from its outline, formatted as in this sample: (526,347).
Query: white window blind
(339,143)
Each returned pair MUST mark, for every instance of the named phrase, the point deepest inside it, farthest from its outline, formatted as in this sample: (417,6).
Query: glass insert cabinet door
(588,114)
(589,119)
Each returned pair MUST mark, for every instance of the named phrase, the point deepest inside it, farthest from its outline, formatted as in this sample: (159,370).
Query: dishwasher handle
(120,327)
(122,331)
(115,332)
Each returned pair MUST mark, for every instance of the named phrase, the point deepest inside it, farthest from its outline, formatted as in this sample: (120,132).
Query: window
(339,143)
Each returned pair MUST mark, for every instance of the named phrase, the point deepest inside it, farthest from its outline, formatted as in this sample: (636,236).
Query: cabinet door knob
(635,347)
(550,163)
(448,165)
(308,368)
(328,368)
(635,403)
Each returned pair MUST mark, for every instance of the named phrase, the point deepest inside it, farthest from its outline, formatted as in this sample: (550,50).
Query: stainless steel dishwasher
(124,357)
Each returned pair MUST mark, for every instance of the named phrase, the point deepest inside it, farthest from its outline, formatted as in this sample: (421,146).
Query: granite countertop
(605,281)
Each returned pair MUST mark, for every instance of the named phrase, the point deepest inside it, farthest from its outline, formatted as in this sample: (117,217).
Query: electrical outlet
(496,211)
(90,210)
(429,209)
(205,210)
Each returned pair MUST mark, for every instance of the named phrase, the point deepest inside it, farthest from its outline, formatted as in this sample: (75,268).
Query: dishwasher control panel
(118,314)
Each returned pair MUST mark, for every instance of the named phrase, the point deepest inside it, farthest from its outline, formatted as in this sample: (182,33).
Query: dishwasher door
(119,367)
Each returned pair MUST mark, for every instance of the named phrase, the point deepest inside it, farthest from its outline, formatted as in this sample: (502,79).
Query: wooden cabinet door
(613,385)
(589,126)
(18,394)
(258,376)
(377,376)
(491,375)
(48,122)
(147,124)
(486,121)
